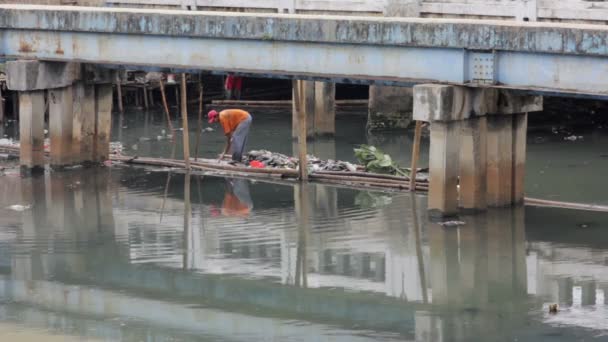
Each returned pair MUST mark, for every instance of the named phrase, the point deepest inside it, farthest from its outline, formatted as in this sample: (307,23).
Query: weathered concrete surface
(26,75)
(318,102)
(443,168)
(473,164)
(103,122)
(83,129)
(447,33)
(60,125)
(325,108)
(31,129)
(520,128)
(389,108)
(438,102)
(539,57)
(500,158)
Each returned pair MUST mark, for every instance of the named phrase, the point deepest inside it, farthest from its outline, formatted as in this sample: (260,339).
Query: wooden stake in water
(200,118)
(166,107)
(301,115)
(415,155)
(184,104)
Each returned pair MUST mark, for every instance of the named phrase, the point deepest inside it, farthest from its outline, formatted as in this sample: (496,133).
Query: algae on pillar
(389,108)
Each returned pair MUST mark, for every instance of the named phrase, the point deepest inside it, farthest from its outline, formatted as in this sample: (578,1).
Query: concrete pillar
(473,164)
(83,129)
(389,108)
(520,128)
(325,108)
(31,129)
(500,156)
(319,103)
(103,122)
(443,165)
(60,125)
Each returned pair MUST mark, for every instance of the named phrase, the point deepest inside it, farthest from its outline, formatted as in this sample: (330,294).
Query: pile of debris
(278,160)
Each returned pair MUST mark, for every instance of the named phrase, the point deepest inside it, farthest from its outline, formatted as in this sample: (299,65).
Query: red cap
(212,115)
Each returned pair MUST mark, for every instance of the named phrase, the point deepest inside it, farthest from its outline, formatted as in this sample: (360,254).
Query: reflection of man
(237,200)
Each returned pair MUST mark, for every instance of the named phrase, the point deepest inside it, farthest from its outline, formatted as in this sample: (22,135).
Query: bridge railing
(524,10)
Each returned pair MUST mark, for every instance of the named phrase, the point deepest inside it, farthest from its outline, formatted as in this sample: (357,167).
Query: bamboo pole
(119,93)
(200,119)
(415,155)
(419,255)
(301,115)
(166,107)
(1,106)
(184,105)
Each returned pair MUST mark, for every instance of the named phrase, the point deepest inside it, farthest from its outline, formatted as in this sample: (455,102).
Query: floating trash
(452,223)
(19,207)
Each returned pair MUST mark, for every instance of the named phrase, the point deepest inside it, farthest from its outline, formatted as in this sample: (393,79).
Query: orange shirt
(230,118)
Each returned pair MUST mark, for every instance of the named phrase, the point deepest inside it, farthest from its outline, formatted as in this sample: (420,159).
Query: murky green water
(138,254)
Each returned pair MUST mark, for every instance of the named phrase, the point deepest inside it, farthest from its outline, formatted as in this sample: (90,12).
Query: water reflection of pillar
(479,266)
(193,257)
(406,275)
(29,266)
(302,212)
(489,250)
(295,267)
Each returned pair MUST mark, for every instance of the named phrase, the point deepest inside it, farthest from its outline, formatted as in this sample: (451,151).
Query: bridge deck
(546,57)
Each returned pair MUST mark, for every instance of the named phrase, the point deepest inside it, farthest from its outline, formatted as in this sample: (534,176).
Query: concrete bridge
(479,69)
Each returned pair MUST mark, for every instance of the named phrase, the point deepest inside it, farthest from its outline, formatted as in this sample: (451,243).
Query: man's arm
(227,146)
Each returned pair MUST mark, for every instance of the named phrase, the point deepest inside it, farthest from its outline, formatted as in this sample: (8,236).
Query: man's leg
(239,139)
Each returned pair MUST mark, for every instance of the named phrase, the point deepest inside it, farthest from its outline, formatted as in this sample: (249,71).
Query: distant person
(233,87)
(236,124)
(237,200)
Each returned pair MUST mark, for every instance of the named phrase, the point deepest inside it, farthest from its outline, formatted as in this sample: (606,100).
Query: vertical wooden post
(499,160)
(443,165)
(60,125)
(473,165)
(520,127)
(184,104)
(1,106)
(31,129)
(187,233)
(298,91)
(145,94)
(166,107)
(119,92)
(415,155)
(199,127)
(103,122)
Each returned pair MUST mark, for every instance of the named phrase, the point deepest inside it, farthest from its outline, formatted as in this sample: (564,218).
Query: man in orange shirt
(236,124)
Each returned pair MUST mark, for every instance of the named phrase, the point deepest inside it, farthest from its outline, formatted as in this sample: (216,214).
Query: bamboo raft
(342,179)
